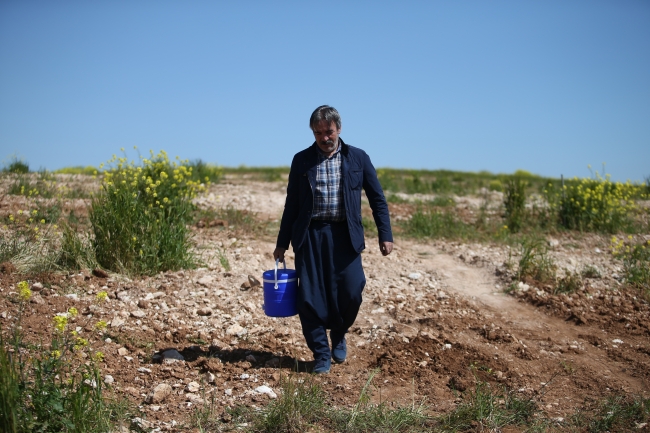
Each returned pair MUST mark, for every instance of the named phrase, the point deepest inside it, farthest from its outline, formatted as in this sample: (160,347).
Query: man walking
(322,220)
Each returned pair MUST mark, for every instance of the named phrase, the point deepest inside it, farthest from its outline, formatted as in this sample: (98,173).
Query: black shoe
(322,366)
(340,352)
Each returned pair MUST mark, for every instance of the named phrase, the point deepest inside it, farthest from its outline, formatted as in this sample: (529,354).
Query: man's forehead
(323,126)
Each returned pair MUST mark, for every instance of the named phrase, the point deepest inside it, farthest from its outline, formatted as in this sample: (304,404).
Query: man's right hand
(278,254)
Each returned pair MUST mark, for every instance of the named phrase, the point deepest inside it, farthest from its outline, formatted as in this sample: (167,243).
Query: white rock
(138,313)
(194,398)
(237,330)
(244,376)
(108,379)
(117,322)
(193,387)
(159,393)
(414,276)
(441,294)
(210,377)
(144,370)
(72,296)
(123,296)
(37,287)
(553,243)
(228,391)
(617,341)
(266,390)
(206,281)
(122,351)
(447,346)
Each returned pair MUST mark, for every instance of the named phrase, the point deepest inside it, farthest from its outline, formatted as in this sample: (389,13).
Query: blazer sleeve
(291,208)
(377,200)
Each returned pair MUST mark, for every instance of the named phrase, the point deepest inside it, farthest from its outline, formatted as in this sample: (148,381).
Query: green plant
(616,414)
(88,170)
(591,271)
(570,283)
(487,409)
(535,263)
(515,203)
(598,204)
(76,252)
(203,172)
(50,389)
(435,224)
(300,404)
(139,218)
(636,261)
(16,165)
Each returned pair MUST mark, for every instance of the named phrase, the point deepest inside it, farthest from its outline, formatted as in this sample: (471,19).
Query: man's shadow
(257,358)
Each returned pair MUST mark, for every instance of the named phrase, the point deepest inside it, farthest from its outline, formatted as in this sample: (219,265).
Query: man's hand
(278,254)
(385,248)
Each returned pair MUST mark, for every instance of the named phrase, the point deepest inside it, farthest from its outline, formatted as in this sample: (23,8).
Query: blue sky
(544,86)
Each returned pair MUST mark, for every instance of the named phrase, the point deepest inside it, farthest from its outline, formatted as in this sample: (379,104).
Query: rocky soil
(435,321)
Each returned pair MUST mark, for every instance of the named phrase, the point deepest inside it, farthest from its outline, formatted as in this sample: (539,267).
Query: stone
(266,390)
(204,311)
(210,377)
(414,276)
(138,314)
(171,354)
(72,296)
(144,370)
(193,398)
(141,424)
(251,358)
(100,273)
(236,329)
(117,322)
(108,379)
(159,393)
(143,303)
(273,363)
(122,351)
(553,243)
(123,296)
(193,387)
(441,294)
(206,281)
(253,282)
(37,287)
(37,299)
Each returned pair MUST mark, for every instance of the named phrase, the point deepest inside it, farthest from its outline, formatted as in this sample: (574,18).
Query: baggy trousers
(331,281)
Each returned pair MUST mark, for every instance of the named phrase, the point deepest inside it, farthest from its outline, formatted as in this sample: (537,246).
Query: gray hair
(327,114)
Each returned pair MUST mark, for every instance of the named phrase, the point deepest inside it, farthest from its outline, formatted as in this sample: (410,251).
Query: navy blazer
(356,172)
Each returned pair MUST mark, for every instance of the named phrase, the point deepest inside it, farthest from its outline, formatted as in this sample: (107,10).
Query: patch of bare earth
(435,321)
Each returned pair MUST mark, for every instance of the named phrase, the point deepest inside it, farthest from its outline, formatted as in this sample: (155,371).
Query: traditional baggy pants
(331,282)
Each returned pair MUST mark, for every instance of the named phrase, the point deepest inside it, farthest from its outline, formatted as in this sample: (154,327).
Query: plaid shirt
(328,194)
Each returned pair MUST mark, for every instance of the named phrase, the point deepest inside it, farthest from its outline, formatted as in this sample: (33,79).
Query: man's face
(327,137)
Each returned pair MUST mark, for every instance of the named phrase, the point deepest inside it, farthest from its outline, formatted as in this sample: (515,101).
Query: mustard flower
(72,311)
(101,325)
(102,296)
(60,322)
(23,291)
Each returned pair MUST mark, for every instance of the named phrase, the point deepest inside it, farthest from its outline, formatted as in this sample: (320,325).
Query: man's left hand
(385,248)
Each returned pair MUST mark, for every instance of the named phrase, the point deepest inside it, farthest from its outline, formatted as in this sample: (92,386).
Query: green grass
(47,389)
(616,414)
(140,216)
(488,409)
(434,224)
(266,174)
(88,170)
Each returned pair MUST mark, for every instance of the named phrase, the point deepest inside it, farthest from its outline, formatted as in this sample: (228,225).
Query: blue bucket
(280,290)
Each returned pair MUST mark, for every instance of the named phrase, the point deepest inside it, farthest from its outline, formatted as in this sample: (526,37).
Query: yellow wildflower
(60,322)
(23,291)
(101,296)
(73,311)
(101,325)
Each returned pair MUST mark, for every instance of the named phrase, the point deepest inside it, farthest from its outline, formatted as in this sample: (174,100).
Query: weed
(48,389)
(515,203)
(616,414)
(232,218)
(204,172)
(76,252)
(223,260)
(570,283)
(140,216)
(88,170)
(436,225)
(535,262)
(597,204)
(487,409)
(591,271)
(16,165)
(636,261)
(299,405)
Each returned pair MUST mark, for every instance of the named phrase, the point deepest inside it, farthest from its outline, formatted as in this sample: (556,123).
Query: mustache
(328,142)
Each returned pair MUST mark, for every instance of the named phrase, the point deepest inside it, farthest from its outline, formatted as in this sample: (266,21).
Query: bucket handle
(276,271)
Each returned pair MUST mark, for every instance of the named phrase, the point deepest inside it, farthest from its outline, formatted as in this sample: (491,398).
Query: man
(322,220)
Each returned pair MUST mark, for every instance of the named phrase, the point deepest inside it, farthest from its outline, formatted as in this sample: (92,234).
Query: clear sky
(545,86)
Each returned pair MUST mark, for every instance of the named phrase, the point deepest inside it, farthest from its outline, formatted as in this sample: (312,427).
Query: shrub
(535,263)
(436,225)
(139,218)
(598,205)
(515,203)
(52,389)
(16,165)
(636,261)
